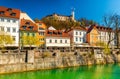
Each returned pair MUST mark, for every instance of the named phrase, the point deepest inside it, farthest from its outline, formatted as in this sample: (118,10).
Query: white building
(106,34)
(9,23)
(78,36)
(56,39)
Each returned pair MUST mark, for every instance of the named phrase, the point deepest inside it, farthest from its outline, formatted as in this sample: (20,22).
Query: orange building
(93,35)
(41,33)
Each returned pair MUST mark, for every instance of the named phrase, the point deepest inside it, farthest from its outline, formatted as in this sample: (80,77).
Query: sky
(90,9)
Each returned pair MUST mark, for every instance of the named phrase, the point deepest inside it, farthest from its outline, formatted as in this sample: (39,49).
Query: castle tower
(73,14)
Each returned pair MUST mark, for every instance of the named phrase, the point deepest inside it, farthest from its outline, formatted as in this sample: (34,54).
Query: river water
(83,72)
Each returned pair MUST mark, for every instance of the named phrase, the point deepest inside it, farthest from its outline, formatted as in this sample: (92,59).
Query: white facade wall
(11,23)
(104,37)
(79,36)
(25,16)
(58,43)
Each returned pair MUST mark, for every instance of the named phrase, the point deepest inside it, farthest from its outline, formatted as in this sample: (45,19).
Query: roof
(77,28)
(90,28)
(103,28)
(9,12)
(28,24)
(56,33)
(51,28)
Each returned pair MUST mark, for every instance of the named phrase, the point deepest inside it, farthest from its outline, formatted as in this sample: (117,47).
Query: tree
(30,41)
(85,22)
(106,49)
(5,39)
(59,24)
(113,22)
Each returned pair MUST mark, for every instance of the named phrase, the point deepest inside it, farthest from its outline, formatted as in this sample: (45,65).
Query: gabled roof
(56,33)
(90,28)
(9,12)
(28,23)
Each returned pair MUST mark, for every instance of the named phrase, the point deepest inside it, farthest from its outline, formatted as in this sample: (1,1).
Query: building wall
(79,36)
(58,43)
(25,16)
(94,37)
(11,23)
(41,33)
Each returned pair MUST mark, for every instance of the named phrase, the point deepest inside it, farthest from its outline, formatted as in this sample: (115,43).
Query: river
(83,72)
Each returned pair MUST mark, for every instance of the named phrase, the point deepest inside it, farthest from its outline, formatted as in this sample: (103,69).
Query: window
(2,12)
(2,19)
(2,28)
(28,34)
(14,21)
(28,23)
(14,38)
(60,41)
(24,27)
(76,39)
(13,14)
(14,29)
(33,34)
(50,41)
(8,29)
(41,33)
(80,39)
(76,33)
(8,20)
(65,41)
(40,24)
(80,33)
(31,27)
(55,41)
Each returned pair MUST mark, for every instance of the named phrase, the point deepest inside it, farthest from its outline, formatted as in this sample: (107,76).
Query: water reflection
(83,72)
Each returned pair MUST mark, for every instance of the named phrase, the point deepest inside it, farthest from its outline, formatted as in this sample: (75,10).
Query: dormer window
(41,28)
(9,9)
(28,23)
(31,27)
(50,33)
(24,27)
(13,14)
(2,12)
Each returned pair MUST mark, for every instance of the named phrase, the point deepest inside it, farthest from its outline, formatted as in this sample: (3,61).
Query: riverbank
(31,60)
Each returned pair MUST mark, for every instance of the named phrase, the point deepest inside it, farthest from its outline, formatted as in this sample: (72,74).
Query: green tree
(103,45)
(30,41)
(5,39)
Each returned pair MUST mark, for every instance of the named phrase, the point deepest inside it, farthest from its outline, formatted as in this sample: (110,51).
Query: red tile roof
(28,23)
(9,12)
(77,28)
(56,33)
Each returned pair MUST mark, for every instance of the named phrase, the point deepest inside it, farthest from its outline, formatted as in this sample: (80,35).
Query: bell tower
(73,14)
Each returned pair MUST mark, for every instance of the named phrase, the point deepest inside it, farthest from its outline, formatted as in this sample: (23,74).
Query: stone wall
(19,62)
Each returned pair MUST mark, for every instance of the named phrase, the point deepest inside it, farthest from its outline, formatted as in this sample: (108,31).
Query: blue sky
(90,9)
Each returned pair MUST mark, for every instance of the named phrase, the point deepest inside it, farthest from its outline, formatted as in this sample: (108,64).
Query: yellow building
(93,36)
(41,33)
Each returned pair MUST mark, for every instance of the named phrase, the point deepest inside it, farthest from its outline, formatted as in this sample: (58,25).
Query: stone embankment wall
(19,62)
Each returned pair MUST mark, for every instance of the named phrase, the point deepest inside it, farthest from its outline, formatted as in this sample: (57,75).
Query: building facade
(57,39)
(41,33)
(93,35)
(28,34)
(77,36)
(106,34)
(9,23)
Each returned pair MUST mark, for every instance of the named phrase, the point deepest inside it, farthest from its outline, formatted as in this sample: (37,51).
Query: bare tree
(116,25)
(108,22)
